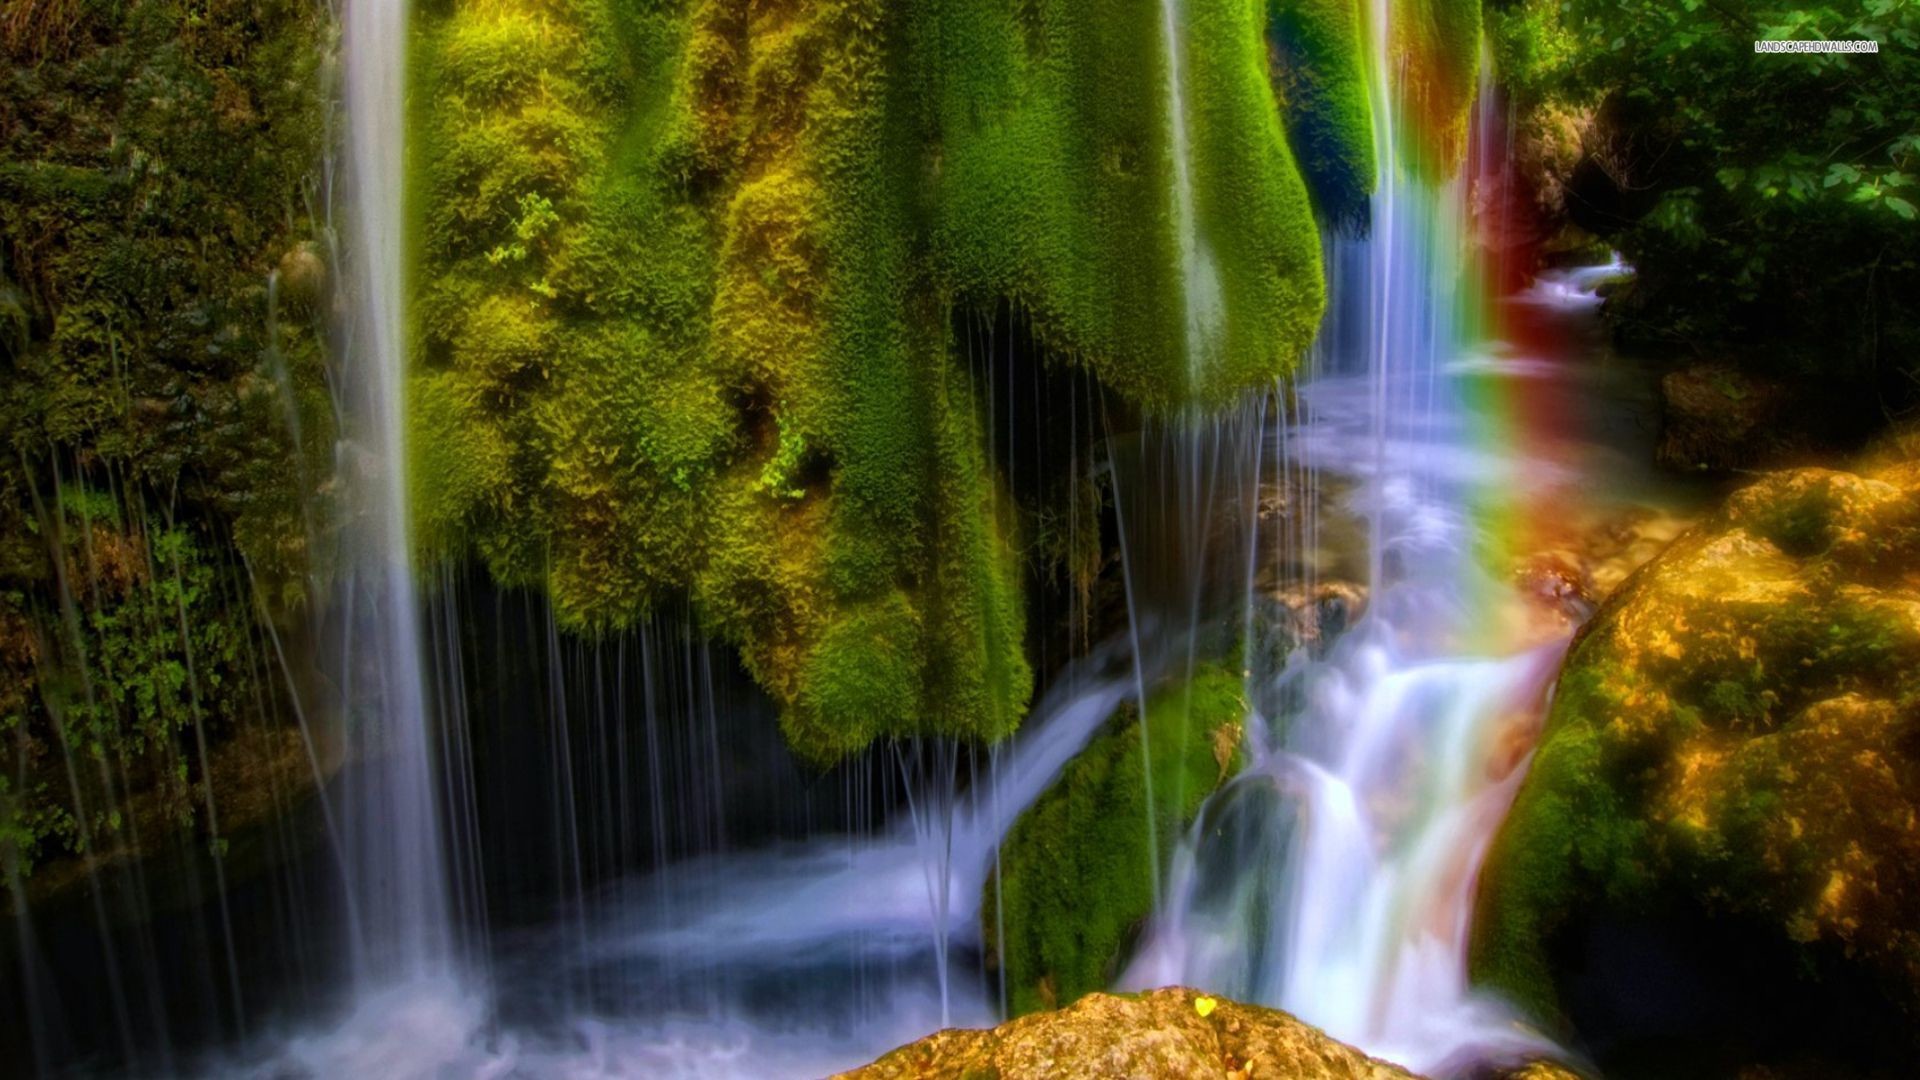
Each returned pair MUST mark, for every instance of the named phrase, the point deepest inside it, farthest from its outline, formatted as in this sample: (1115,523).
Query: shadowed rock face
(1727,794)
(1157,1034)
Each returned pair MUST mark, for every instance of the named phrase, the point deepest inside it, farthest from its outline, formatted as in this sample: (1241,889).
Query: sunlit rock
(1725,808)
(1162,1033)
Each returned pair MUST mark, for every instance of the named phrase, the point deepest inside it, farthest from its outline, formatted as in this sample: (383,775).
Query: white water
(1335,877)
(398,892)
(1576,288)
(797,960)
(1199,277)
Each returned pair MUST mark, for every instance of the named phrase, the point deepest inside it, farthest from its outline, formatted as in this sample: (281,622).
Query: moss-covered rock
(163,400)
(1320,73)
(1167,1033)
(1733,747)
(689,273)
(688,280)
(1076,873)
(1437,45)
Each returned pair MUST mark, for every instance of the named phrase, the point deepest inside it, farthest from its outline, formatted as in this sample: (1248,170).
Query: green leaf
(1900,206)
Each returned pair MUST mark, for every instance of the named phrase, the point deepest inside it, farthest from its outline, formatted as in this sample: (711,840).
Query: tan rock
(1157,1034)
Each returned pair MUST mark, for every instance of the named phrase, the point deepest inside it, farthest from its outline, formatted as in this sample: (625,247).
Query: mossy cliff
(689,275)
(162,397)
(1732,749)
(686,280)
(1076,872)
(1320,61)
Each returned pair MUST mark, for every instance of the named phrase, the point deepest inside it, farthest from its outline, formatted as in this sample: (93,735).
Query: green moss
(1052,168)
(1321,79)
(101,704)
(1570,829)
(1723,744)
(693,268)
(1076,874)
(163,395)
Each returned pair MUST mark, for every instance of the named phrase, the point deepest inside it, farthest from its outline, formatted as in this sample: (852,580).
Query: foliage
(149,644)
(1076,876)
(160,346)
(1770,198)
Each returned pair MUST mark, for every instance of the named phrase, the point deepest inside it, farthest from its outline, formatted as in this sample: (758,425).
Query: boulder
(1717,849)
(1172,1032)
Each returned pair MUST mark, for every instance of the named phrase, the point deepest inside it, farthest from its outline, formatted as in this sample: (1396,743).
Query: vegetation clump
(1320,75)
(163,399)
(1076,877)
(1766,201)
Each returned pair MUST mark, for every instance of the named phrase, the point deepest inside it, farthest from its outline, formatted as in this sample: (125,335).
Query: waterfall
(1199,278)
(1334,877)
(398,892)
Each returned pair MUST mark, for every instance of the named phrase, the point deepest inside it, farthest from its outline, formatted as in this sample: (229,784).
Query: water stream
(1335,876)
(398,906)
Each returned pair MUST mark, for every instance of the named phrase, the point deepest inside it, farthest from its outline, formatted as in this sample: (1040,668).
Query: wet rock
(1576,560)
(1719,839)
(1172,1032)
(1300,617)
(1558,581)
(1539,1070)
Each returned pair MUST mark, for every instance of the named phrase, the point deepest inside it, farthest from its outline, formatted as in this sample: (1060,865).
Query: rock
(303,276)
(1716,418)
(1156,1034)
(1539,1070)
(1558,581)
(1294,617)
(1719,839)
(1574,559)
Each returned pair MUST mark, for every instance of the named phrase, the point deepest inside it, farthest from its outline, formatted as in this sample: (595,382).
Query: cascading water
(1370,795)
(398,892)
(1335,876)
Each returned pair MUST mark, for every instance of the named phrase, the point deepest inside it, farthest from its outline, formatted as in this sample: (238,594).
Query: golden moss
(1733,734)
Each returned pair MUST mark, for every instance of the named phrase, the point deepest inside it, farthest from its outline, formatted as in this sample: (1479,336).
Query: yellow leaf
(1204,1005)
